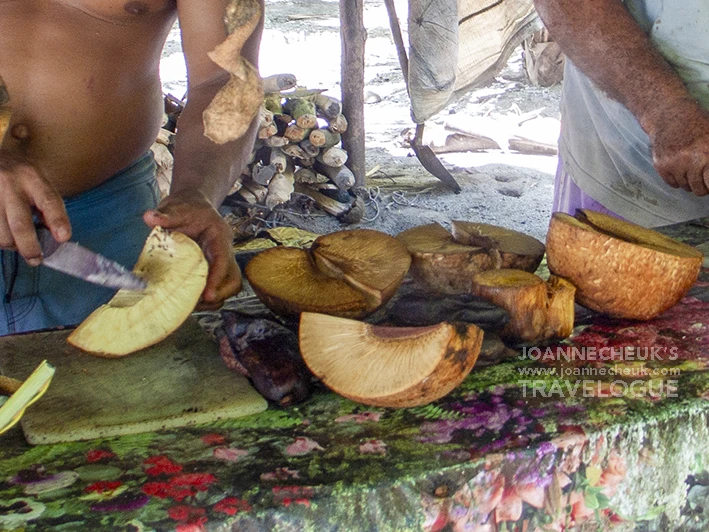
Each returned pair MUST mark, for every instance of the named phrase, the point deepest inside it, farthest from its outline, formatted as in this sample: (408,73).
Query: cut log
(532,147)
(278,159)
(267,132)
(248,196)
(445,262)
(295,133)
(346,273)
(259,191)
(333,157)
(388,366)
(265,117)
(351,212)
(538,311)
(279,82)
(324,138)
(309,177)
(279,189)
(619,268)
(272,102)
(276,142)
(328,106)
(282,122)
(338,124)
(310,148)
(303,112)
(262,174)
(341,176)
(294,151)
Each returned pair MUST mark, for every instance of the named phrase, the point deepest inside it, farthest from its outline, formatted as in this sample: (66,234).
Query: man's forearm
(200,163)
(602,39)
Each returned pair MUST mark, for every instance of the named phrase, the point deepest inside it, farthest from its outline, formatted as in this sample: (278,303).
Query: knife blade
(78,261)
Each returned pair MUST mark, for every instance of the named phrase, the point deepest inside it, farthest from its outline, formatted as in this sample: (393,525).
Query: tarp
(456,45)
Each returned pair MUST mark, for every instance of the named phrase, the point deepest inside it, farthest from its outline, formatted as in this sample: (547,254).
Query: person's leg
(107,219)
(568,196)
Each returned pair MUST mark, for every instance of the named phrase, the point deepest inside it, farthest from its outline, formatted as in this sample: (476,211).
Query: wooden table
(515,447)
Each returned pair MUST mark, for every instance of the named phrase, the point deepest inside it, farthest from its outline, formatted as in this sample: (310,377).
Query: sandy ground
(498,186)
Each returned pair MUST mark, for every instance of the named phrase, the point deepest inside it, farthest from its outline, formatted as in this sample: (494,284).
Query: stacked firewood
(298,150)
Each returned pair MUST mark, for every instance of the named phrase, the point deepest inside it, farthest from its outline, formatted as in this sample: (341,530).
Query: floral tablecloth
(606,431)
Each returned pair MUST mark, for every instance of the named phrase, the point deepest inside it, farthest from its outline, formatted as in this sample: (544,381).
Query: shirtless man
(635,119)
(82,76)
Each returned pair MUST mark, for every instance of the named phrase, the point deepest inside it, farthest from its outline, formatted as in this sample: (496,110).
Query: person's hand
(24,192)
(680,146)
(191,213)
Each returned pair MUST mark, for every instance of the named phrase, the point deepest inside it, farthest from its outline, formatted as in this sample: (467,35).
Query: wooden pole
(353,35)
(398,40)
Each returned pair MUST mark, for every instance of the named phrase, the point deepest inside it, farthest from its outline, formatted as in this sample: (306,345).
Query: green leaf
(591,501)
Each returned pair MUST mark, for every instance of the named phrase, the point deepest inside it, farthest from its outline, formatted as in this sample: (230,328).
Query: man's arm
(607,44)
(204,171)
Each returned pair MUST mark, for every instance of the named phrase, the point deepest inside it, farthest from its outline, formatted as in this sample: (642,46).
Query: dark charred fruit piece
(267,353)
(388,366)
(444,262)
(538,310)
(619,268)
(419,310)
(347,273)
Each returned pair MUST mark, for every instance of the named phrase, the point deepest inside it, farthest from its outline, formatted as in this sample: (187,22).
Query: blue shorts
(107,219)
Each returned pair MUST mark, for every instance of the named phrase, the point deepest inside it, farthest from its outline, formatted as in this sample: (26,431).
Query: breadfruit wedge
(370,261)
(176,272)
(538,310)
(288,282)
(444,262)
(388,366)
(619,268)
(347,273)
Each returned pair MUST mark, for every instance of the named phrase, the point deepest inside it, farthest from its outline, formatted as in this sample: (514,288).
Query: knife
(78,261)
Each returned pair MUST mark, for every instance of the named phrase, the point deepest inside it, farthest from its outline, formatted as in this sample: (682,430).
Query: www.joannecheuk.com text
(599,354)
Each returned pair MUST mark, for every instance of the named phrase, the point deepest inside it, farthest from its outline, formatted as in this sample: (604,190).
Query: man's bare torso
(83,82)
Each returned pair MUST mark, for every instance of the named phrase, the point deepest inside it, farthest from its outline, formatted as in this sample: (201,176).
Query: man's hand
(680,146)
(24,192)
(189,212)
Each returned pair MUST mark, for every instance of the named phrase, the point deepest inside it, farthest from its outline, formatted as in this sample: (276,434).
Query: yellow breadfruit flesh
(176,272)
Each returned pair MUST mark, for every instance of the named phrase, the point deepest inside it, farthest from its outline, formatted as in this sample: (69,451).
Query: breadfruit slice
(619,268)
(538,310)
(370,261)
(444,262)
(388,366)
(347,273)
(176,272)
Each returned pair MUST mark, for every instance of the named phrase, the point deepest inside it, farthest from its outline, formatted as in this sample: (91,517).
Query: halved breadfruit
(444,262)
(176,271)
(347,273)
(388,366)
(538,310)
(619,268)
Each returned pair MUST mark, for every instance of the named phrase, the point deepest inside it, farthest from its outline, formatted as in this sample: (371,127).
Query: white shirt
(603,147)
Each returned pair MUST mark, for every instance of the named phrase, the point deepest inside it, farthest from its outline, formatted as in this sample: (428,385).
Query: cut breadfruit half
(444,262)
(538,310)
(176,272)
(388,366)
(619,268)
(348,273)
